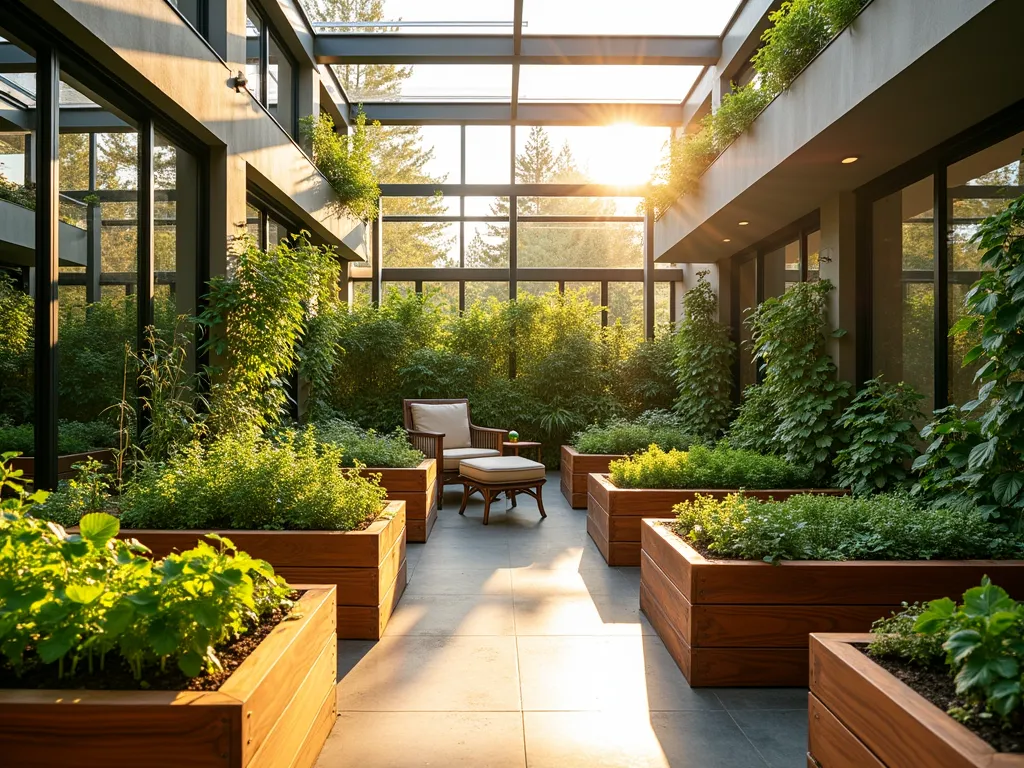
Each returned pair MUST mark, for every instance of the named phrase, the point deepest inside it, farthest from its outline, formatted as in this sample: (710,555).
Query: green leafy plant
(25,196)
(984,642)
(72,437)
(704,359)
(249,482)
(703,467)
(810,527)
(790,337)
(367,447)
(896,637)
(88,600)
(88,491)
(944,462)
(993,473)
(626,436)
(346,161)
(879,434)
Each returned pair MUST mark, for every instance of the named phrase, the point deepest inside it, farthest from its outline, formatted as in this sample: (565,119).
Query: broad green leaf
(84,593)
(99,528)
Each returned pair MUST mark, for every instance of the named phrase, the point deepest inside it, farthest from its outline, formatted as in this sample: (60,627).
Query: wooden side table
(509,448)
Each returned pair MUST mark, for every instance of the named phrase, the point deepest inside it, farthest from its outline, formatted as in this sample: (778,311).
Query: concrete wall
(155,52)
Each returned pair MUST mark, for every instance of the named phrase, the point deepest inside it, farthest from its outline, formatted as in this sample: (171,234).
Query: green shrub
(809,527)
(346,162)
(704,360)
(879,435)
(642,376)
(25,196)
(250,482)
(88,491)
(72,437)
(896,637)
(367,447)
(74,603)
(624,436)
(702,467)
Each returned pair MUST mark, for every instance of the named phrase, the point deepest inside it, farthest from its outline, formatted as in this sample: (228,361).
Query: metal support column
(47,163)
(604,303)
(94,224)
(649,271)
(941,204)
(377,231)
(146,240)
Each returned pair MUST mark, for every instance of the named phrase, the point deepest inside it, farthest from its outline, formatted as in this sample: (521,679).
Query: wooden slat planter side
(576,467)
(417,487)
(65,462)
(368,567)
(268,713)
(746,623)
(858,706)
(614,514)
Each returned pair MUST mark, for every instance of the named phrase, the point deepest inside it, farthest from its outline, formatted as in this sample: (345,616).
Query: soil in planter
(118,677)
(936,685)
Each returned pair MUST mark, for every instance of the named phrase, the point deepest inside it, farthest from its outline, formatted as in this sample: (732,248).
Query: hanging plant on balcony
(346,162)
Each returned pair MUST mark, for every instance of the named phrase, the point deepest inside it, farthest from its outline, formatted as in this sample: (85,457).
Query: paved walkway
(515,645)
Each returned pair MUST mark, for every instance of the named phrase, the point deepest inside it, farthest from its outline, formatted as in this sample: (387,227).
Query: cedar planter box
(367,567)
(576,467)
(614,514)
(417,487)
(65,462)
(746,623)
(861,715)
(276,709)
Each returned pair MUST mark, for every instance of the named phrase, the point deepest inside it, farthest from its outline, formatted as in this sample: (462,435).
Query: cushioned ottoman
(492,476)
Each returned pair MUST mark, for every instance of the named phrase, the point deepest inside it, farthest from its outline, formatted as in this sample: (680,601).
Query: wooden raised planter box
(861,715)
(65,462)
(417,487)
(746,623)
(576,467)
(367,567)
(276,709)
(614,514)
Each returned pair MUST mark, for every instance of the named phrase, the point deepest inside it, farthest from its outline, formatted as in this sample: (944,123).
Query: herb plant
(879,437)
(72,437)
(704,360)
(707,468)
(87,601)
(367,447)
(624,436)
(896,637)
(809,527)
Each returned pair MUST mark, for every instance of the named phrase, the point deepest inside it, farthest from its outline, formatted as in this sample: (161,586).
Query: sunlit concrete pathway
(515,645)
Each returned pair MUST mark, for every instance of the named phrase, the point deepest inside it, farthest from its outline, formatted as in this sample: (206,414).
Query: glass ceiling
(427,82)
(471,17)
(606,83)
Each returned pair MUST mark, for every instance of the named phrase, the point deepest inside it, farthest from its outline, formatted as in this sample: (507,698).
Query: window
(266,226)
(657,84)
(782,269)
(428,82)
(419,244)
(571,154)
(271,72)
(747,283)
(482,291)
(580,244)
(194,12)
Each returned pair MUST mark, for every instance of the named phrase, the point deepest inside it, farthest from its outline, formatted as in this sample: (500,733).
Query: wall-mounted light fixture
(240,81)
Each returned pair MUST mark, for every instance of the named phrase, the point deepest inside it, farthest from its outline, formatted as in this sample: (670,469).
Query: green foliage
(705,468)
(626,436)
(809,527)
(367,447)
(799,30)
(983,457)
(249,482)
(754,427)
(256,318)
(642,375)
(346,162)
(790,337)
(69,601)
(72,437)
(88,491)
(25,196)
(984,642)
(895,637)
(945,460)
(704,359)
(880,437)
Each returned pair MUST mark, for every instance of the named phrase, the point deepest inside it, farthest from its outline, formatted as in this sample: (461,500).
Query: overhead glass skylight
(606,83)
(426,82)
(636,17)
(473,17)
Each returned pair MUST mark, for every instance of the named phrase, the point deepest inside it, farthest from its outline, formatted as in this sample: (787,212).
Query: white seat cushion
(452,456)
(502,469)
(450,419)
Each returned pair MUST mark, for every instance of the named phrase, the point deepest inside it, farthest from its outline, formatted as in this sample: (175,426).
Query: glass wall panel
(639,17)
(903,293)
(979,186)
(252,221)
(813,255)
(419,244)
(445,293)
(486,206)
(662,304)
(570,154)
(748,300)
(191,10)
(361,292)
(591,290)
(433,82)
(433,205)
(253,50)
(487,244)
(580,244)
(478,290)
(782,269)
(488,154)
(277,230)
(658,83)
(626,304)
(281,76)
(536,287)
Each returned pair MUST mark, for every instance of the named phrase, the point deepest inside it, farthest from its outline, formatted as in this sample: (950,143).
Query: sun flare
(629,157)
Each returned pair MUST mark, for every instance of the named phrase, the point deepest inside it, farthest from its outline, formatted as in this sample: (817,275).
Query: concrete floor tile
(422,739)
(410,673)
(468,581)
(762,698)
(604,673)
(779,735)
(536,583)
(584,614)
(452,614)
(636,740)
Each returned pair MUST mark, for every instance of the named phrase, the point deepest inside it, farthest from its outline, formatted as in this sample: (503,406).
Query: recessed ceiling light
(744,223)
(848,160)
(726,240)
